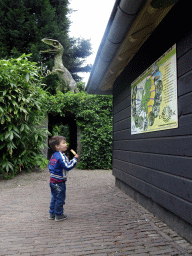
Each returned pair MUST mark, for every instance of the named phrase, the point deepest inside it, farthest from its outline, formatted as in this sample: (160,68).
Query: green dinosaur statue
(64,75)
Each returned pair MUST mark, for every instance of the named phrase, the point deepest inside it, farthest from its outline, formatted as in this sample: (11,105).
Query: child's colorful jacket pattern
(59,165)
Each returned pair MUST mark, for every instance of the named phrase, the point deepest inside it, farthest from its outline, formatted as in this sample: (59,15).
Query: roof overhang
(130,25)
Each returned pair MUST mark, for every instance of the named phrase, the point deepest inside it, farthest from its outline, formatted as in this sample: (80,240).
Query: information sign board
(154,96)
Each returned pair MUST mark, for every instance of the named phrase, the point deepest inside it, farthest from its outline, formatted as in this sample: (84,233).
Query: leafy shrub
(93,115)
(21,113)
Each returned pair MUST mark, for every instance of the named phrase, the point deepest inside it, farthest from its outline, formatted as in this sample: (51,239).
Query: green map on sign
(146,95)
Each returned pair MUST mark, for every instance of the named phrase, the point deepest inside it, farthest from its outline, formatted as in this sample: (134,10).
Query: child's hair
(55,140)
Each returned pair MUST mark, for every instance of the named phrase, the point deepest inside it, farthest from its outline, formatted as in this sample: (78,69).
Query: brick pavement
(102,220)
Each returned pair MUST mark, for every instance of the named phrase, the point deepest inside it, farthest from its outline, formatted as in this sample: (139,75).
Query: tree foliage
(24,23)
(93,114)
(21,113)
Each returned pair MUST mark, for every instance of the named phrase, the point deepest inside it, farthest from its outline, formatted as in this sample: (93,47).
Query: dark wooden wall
(158,164)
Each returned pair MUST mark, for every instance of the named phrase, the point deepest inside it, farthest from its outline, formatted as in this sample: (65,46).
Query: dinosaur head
(56,46)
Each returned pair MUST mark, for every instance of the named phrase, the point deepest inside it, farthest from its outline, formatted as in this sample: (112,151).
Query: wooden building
(155,167)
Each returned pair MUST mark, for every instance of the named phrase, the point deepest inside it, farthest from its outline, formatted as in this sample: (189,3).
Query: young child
(59,165)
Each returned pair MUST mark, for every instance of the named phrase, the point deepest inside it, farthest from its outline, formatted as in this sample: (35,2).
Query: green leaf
(16,134)
(2,119)
(36,137)
(15,129)
(26,127)
(14,103)
(7,165)
(23,110)
(27,77)
(11,136)
(22,127)
(7,135)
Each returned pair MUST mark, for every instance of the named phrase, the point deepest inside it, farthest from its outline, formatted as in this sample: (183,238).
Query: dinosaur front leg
(49,72)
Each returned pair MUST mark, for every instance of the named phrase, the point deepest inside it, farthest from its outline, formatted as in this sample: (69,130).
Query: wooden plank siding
(157,164)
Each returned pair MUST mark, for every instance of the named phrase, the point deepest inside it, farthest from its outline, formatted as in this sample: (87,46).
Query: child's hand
(76,156)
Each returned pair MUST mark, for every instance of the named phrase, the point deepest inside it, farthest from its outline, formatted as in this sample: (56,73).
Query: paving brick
(102,220)
(23,254)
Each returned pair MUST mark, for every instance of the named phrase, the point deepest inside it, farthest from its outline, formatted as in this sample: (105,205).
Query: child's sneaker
(60,217)
(51,216)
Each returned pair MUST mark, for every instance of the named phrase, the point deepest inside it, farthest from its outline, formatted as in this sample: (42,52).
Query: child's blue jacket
(59,165)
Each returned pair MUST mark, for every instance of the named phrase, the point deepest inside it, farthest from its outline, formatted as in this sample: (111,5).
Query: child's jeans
(57,198)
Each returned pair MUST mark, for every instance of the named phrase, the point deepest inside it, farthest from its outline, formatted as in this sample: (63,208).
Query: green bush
(21,113)
(93,115)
